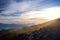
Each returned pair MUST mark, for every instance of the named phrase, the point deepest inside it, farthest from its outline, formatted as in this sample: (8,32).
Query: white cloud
(46,13)
(34,9)
(16,7)
(26,5)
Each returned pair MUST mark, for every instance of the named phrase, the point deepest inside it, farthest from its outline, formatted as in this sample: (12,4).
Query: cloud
(27,9)
(4,4)
(46,13)
(26,5)
(16,7)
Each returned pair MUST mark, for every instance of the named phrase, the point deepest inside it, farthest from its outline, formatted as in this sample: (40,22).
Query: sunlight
(51,13)
(46,13)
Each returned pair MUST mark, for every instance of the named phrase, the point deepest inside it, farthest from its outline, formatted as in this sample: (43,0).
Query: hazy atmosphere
(29,19)
(28,11)
(14,11)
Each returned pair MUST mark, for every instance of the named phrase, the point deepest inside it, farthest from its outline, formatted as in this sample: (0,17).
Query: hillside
(46,31)
(32,28)
(49,32)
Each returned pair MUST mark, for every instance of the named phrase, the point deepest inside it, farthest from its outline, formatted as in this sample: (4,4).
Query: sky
(13,11)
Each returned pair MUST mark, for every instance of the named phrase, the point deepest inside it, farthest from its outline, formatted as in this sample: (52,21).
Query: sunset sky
(13,11)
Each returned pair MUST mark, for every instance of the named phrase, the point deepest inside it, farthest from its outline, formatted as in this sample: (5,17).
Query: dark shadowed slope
(46,31)
(50,32)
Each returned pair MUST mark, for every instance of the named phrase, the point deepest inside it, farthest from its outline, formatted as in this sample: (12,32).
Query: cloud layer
(28,9)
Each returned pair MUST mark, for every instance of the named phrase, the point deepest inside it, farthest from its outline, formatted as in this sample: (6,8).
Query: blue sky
(28,9)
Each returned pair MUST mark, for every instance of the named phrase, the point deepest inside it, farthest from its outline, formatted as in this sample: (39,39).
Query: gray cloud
(4,4)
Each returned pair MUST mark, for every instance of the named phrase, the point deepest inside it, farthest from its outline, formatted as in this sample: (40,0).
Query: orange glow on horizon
(30,20)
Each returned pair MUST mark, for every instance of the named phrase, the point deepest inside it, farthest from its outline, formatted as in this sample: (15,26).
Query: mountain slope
(30,29)
(50,32)
(46,31)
